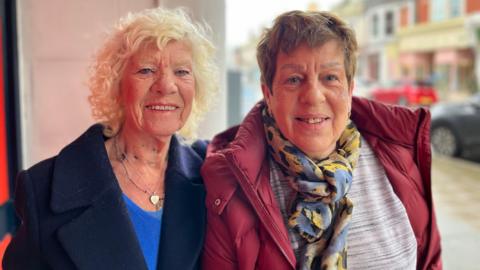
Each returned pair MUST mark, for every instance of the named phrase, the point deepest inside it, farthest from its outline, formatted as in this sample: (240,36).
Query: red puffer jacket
(245,229)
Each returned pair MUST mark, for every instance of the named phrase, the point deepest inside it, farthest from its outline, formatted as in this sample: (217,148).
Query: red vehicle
(410,93)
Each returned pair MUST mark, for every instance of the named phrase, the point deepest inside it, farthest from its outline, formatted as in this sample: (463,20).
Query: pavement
(456,193)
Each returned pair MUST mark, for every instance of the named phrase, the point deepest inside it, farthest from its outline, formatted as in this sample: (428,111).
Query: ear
(267,94)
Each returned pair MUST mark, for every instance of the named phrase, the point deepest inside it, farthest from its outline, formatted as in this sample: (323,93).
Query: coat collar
(101,235)
(239,145)
(250,144)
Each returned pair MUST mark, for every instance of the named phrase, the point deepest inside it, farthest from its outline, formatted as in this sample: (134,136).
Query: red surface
(404,17)
(473,6)
(406,93)
(422,11)
(4,193)
(3,246)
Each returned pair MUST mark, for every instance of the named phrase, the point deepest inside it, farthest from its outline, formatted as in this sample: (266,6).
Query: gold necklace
(154,198)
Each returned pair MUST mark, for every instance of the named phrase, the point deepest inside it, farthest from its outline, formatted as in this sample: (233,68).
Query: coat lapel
(101,235)
(183,222)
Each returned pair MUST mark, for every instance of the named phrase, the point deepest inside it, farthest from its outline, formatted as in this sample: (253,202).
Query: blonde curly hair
(158,26)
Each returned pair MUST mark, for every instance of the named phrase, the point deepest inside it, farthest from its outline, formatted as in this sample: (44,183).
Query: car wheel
(444,141)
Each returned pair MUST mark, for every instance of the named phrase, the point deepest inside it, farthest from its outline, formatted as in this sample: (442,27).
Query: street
(456,192)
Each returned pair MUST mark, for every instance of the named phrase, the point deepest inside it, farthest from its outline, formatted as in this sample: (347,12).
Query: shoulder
(186,157)
(46,166)
(68,163)
(200,147)
(218,178)
(249,134)
(41,169)
(45,169)
(234,157)
(34,183)
(396,124)
(192,151)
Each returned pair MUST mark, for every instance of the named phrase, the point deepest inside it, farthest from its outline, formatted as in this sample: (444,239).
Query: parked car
(409,93)
(455,129)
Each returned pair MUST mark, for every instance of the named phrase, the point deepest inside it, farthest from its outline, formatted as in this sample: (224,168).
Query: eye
(294,80)
(182,72)
(331,77)
(145,71)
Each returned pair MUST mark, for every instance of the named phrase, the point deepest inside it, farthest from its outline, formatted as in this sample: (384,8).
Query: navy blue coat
(73,215)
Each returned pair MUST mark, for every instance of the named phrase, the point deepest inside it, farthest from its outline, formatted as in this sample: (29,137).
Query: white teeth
(161,108)
(313,120)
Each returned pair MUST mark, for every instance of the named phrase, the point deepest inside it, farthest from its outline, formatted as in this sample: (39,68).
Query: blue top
(147,225)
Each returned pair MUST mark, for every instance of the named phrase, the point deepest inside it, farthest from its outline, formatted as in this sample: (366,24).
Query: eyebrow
(331,65)
(186,62)
(297,67)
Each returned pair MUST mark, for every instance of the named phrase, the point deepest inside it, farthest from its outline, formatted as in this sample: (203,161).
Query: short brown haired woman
(312,171)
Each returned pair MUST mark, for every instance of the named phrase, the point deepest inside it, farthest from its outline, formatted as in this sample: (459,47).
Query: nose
(313,93)
(164,83)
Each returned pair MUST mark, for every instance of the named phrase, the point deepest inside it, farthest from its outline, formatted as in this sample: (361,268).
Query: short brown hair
(314,28)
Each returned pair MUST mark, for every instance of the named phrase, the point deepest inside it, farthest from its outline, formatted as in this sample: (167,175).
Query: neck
(142,149)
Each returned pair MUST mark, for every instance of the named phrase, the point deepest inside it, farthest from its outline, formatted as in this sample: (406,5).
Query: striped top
(380,234)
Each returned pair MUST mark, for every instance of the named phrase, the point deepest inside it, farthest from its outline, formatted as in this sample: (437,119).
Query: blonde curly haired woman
(127,194)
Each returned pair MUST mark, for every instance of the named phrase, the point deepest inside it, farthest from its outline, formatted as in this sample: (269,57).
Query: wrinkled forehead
(325,54)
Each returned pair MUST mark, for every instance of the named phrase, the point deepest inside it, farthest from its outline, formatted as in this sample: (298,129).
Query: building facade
(439,46)
(435,40)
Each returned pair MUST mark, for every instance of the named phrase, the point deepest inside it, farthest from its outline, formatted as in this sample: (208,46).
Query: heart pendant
(154,199)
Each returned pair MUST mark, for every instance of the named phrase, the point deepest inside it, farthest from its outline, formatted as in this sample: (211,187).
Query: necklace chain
(154,198)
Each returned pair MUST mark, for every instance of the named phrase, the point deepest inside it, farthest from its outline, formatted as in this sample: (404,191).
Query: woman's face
(311,98)
(158,89)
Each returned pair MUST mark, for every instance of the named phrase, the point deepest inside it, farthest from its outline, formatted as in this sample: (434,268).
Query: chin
(162,128)
(164,132)
(318,152)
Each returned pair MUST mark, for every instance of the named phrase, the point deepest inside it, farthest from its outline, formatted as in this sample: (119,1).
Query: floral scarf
(321,212)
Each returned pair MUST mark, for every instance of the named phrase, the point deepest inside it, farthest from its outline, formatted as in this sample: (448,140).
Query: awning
(451,34)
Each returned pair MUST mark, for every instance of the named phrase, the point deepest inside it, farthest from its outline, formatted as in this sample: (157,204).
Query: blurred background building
(433,40)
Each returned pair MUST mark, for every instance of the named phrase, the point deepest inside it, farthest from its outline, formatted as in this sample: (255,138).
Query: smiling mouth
(312,120)
(161,107)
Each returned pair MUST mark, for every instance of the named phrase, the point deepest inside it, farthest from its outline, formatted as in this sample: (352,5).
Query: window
(375,25)
(389,23)
(455,8)
(438,11)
